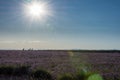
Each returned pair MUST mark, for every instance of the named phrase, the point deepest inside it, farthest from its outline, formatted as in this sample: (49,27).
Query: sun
(36,9)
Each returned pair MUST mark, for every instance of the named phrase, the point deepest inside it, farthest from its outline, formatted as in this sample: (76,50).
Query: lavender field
(106,63)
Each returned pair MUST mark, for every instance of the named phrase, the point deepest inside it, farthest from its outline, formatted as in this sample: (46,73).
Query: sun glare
(37,10)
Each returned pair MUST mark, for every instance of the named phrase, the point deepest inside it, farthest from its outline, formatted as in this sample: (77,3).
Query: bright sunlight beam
(37,10)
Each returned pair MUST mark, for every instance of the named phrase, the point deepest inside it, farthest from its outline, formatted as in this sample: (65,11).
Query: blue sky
(74,24)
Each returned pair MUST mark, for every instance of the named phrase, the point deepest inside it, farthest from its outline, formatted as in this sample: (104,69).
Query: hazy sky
(72,24)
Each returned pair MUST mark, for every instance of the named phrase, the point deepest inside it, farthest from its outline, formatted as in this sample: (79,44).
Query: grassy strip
(14,71)
(41,74)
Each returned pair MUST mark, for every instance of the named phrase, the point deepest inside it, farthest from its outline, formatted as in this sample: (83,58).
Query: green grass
(40,74)
(66,76)
(14,71)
